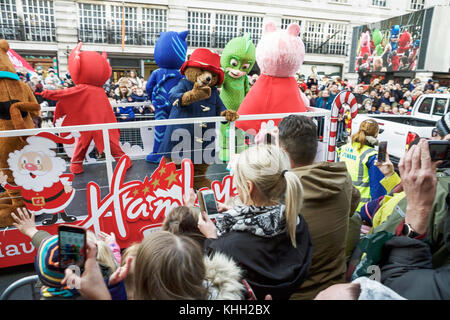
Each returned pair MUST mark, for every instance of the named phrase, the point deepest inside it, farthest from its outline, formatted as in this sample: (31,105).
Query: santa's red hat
(49,140)
(204,59)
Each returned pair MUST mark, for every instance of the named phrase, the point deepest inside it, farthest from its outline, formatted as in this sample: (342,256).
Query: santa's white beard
(42,179)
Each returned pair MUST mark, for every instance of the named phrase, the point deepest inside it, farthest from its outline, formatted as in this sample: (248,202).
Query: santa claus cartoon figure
(39,174)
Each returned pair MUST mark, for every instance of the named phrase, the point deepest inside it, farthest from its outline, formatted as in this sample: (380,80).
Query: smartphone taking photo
(439,149)
(72,246)
(382,149)
(207,202)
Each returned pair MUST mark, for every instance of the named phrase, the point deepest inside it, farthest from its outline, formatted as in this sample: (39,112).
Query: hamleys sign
(131,209)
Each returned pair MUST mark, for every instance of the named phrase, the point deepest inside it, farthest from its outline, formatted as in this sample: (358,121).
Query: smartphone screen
(439,150)
(72,246)
(382,149)
(209,201)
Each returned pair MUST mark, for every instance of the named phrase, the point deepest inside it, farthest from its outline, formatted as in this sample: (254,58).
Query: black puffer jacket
(409,270)
(271,265)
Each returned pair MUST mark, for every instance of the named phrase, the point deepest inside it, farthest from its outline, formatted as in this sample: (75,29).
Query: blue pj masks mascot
(170,54)
(395,32)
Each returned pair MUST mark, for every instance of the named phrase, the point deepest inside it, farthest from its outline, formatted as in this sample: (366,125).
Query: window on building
(154,21)
(252,25)
(39,20)
(199,25)
(9,24)
(379,3)
(225,29)
(417,4)
(285,22)
(313,36)
(132,34)
(337,39)
(92,23)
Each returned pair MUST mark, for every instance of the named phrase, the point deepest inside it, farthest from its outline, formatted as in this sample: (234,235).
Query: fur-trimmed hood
(223,278)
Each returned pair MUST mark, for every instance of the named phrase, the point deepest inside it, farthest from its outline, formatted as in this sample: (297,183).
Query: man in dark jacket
(407,268)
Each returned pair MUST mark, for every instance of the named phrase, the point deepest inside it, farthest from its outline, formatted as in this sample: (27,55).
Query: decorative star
(146,190)
(135,192)
(155,183)
(162,171)
(171,179)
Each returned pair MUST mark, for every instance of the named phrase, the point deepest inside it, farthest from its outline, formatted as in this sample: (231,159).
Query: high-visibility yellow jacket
(356,162)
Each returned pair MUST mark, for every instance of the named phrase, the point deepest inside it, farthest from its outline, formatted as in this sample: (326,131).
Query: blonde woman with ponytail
(360,157)
(266,236)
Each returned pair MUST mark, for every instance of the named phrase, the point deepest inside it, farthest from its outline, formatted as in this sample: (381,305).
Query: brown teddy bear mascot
(17,108)
(196,97)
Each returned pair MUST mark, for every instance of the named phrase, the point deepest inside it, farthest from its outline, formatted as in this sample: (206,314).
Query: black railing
(212,39)
(339,49)
(27,32)
(106,35)
(114,36)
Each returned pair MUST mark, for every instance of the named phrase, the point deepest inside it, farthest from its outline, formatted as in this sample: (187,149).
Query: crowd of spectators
(378,96)
(129,88)
(285,236)
(287,233)
(374,95)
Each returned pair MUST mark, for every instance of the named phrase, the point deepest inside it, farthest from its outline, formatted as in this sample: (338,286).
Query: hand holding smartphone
(382,149)
(439,149)
(207,202)
(72,246)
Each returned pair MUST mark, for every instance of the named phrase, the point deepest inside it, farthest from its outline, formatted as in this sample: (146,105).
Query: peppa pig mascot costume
(365,44)
(86,103)
(279,55)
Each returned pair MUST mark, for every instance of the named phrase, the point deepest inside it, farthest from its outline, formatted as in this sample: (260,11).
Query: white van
(400,130)
(431,106)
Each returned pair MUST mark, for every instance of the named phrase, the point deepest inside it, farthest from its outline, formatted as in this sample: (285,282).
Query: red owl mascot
(86,103)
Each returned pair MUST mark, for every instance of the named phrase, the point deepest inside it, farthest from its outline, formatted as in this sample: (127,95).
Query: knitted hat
(443,125)
(45,263)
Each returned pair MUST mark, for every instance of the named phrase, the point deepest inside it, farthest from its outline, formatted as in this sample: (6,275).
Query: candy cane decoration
(344,97)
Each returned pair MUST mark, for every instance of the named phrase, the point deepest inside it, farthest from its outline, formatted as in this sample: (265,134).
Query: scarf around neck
(261,221)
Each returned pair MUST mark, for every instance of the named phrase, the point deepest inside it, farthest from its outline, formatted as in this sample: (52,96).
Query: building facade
(45,31)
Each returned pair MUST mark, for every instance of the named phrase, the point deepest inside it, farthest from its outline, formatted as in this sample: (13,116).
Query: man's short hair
(298,136)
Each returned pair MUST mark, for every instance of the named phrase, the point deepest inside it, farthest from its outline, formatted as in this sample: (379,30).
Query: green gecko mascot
(237,60)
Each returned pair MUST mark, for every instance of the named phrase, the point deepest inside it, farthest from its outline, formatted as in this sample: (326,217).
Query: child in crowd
(130,252)
(140,96)
(223,277)
(51,277)
(184,220)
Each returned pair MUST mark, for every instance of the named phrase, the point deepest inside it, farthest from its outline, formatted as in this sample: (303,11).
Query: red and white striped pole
(344,97)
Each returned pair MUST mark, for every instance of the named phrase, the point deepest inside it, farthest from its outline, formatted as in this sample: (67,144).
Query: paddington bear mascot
(237,60)
(86,103)
(196,96)
(18,107)
(170,54)
(279,55)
